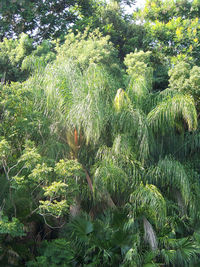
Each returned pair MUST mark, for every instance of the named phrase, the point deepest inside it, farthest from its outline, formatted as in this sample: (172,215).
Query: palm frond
(171,173)
(111,178)
(58,87)
(133,258)
(168,255)
(149,198)
(139,88)
(121,100)
(121,155)
(149,258)
(191,144)
(92,102)
(80,228)
(133,122)
(166,113)
(180,252)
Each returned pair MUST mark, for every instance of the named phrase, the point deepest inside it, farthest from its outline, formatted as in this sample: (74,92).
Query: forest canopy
(99,133)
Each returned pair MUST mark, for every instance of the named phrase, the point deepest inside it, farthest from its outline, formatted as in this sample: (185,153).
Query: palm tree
(132,145)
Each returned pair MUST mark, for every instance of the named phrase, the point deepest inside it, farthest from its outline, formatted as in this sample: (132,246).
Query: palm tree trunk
(89,181)
(75,208)
(149,234)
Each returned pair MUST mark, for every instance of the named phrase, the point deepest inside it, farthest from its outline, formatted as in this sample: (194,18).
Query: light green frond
(158,97)
(171,173)
(133,122)
(121,100)
(122,145)
(110,178)
(91,108)
(165,114)
(121,155)
(139,88)
(149,198)
(58,83)
(79,99)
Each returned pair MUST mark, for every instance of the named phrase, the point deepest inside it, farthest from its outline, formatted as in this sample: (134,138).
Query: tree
(111,19)
(90,152)
(185,78)
(41,19)
(12,54)
(172,28)
(19,57)
(142,125)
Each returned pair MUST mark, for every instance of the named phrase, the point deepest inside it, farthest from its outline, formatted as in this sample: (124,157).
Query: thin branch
(21,170)
(32,213)
(53,227)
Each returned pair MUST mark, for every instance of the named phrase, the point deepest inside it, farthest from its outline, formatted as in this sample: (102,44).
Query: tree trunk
(75,208)
(149,234)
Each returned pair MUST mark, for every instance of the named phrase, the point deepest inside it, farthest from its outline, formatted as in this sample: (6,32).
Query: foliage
(99,136)
(12,54)
(54,253)
(173,28)
(40,57)
(110,18)
(13,228)
(89,48)
(41,19)
(184,78)
(19,57)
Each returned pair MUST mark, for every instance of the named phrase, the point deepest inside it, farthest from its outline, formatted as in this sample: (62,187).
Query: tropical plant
(97,167)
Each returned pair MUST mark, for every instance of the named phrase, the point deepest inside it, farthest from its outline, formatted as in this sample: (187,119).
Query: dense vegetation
(99,133)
